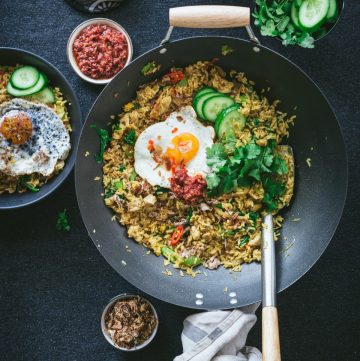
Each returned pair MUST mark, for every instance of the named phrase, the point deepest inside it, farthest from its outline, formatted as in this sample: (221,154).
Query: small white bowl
(75,33)
(107,335)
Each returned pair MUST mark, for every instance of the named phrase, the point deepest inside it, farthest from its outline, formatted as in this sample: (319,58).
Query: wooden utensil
(270,324)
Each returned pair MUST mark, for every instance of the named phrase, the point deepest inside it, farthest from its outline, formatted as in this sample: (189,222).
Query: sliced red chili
(176,236)
(176,75)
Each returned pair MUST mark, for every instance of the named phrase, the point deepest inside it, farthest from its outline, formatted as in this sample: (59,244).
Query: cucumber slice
(24,77)
(295,15)
(229,119)
(332,13)
(298,3)
(204,91)
(45,96)
(312,14)
(40,84)
(199,101)
(214,105)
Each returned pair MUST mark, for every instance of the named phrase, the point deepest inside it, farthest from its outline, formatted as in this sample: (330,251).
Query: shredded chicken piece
(212,263)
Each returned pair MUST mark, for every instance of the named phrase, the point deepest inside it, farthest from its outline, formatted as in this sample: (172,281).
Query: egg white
(48,143)
(162,134)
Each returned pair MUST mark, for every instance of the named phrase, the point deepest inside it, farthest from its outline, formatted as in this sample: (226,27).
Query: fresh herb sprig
(273,18)
(130,137)
(104,140)
(24,182)
(62,222)
(246,165)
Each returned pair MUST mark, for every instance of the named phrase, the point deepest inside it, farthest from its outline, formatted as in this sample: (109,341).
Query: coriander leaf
(104,140)
(24,182)
(229,183)
(268,29)
(62,222)
(279,165)
(282,24)
(255,173)
(212,181)
(273,190)
(268,158)
(116,127)
(229,142)
(121,167)
(270,203)
(216,156)
(306,41)
(216,150)
(252,150)
(129,138)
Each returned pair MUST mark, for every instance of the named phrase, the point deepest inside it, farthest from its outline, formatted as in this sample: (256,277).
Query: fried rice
(151,213)
(13,184)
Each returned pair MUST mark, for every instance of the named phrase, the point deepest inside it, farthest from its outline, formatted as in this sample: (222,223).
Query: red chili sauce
(186,187)
(100,51)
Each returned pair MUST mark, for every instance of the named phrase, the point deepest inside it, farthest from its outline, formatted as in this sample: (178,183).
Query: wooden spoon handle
(270,334)
(209,16)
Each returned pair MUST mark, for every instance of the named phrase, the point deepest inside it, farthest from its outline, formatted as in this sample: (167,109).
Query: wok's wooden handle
(209,16)
(270,334)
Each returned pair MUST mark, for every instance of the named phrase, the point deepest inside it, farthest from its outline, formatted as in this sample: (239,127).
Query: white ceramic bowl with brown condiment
(116,42)
(143,321)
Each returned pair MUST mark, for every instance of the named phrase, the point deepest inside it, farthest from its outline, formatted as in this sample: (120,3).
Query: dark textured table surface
(54,285)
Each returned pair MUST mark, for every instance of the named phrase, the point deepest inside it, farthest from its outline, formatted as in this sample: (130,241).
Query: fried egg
(32,138)
(180,140)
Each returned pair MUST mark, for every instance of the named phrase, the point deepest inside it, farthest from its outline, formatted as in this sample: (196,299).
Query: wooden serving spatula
(270,325)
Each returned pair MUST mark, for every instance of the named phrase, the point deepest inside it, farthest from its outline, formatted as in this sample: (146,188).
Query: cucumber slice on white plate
(312,14)
(24,77)
(332,13)
(40,84)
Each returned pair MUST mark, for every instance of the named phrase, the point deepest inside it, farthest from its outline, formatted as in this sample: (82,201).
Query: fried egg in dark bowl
(38,140)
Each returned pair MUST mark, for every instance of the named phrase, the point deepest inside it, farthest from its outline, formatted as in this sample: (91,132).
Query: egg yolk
(186,146)
(17,128)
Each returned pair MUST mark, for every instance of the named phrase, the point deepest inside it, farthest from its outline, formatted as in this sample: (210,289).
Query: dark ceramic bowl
(328,27)
(12,56)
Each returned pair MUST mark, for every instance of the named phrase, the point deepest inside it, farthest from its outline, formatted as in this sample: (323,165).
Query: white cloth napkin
(219,336)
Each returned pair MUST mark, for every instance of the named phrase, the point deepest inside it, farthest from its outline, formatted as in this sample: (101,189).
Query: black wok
(310,220)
